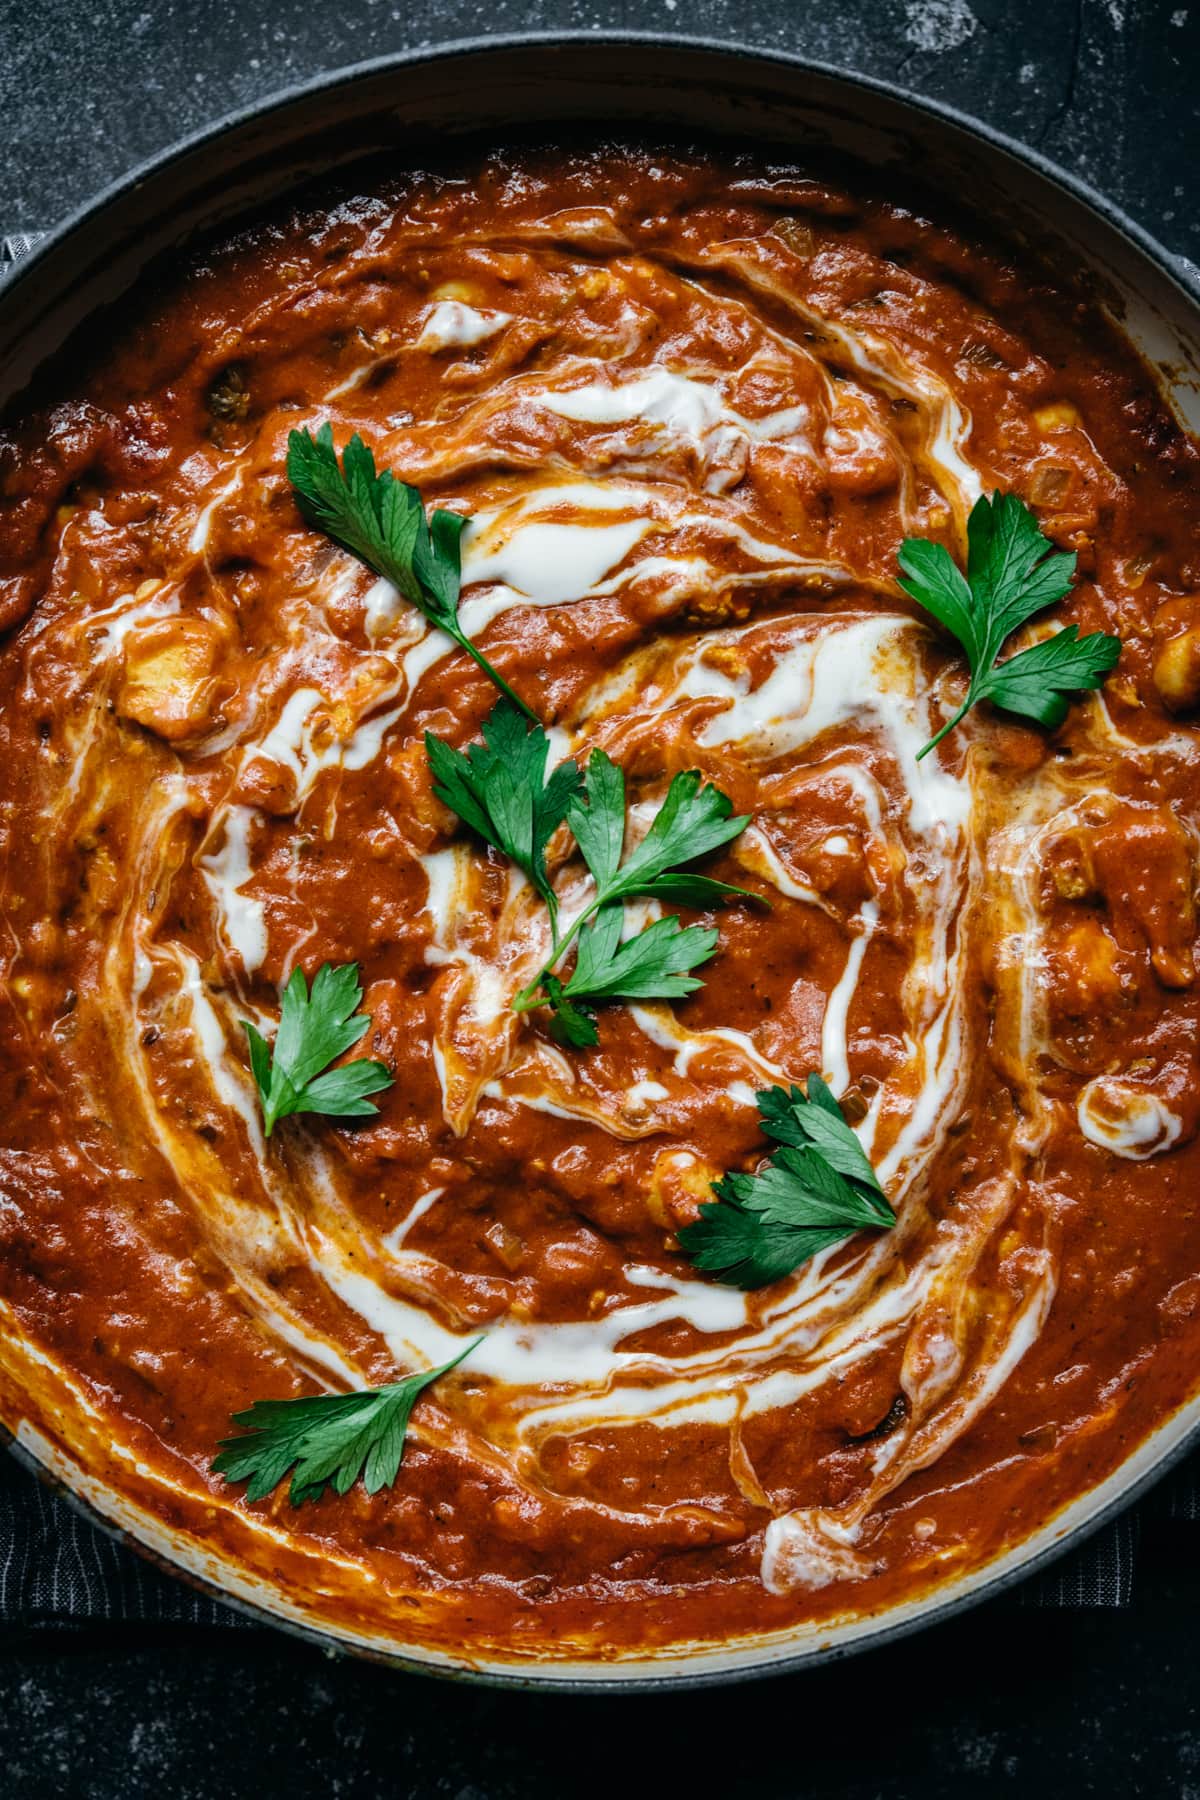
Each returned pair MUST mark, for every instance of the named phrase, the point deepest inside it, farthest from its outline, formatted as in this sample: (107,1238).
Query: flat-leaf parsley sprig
(817,1188)
(499,788)
(327,1439)
(694,819)
(314,1030)
(501,791)
(381,520)
(1010,576)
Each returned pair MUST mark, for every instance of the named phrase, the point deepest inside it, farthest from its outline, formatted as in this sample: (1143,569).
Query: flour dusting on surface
(939,24)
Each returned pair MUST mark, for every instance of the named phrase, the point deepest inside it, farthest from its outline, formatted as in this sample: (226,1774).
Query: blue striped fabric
(56,1569)
(1100,1573)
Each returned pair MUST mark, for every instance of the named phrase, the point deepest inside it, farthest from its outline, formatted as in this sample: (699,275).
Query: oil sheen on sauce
(690,410)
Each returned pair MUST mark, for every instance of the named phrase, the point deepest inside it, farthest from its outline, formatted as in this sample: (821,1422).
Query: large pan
(409,105)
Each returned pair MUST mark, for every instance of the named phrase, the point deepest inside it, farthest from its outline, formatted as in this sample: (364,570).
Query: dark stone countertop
(1002,1702)
(1105,87)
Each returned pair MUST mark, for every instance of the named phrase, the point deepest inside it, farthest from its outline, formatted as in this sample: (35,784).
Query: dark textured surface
(1107,87)
(1003,1702)
(1072,1705)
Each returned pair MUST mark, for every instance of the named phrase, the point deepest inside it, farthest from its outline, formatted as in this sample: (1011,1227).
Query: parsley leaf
(329,1439)
(599,827)
(1011,574)
(314,1030)
(654,964)
(381,521)
(499,788)
(692,821)
(1035,683)
(817,1189)
(569,1023)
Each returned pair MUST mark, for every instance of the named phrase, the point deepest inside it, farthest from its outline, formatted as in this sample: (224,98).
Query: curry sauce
(690,409)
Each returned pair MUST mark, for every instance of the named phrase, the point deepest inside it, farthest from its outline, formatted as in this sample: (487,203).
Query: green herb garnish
(314,1030)
(651,965)
(1010,576)
(329,1439)
(381,520)
(817,1189)
(500,789)
(654,964)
